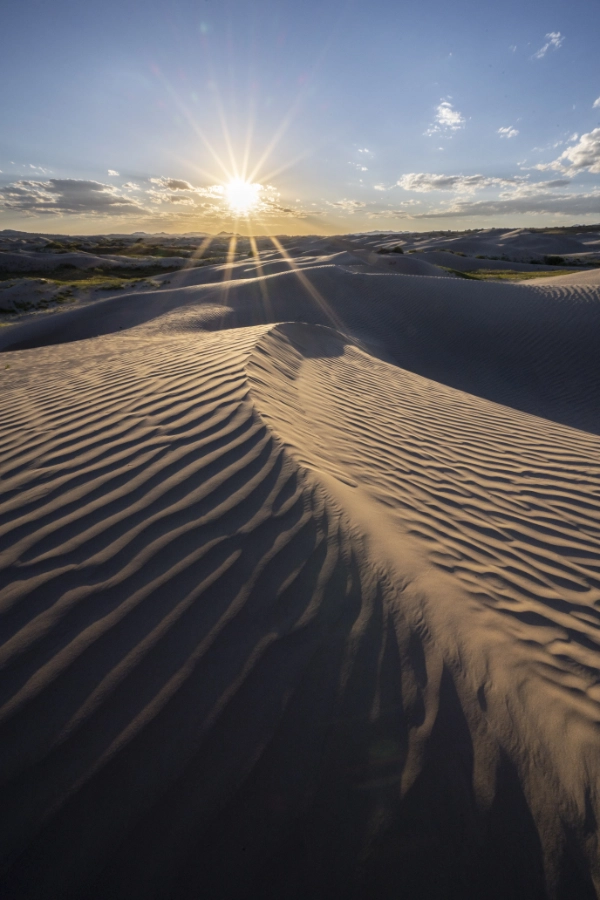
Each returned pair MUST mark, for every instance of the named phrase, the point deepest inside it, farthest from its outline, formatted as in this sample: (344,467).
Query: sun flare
(243,197)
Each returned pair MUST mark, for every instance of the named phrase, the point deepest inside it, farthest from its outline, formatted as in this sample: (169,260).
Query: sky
(320,116)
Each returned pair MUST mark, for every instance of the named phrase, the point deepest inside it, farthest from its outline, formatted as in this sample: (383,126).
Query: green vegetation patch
(396,249)
(95,282)
(505,274)
(91,277)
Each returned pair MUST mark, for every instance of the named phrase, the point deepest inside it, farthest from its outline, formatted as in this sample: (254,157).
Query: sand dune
(517,244)
(591,277)
(471,263)
(26,262)
(300,589)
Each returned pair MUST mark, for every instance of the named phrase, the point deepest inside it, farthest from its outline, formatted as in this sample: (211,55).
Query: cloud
(596,103)
(112,172)
(389,214)
(533,189)
(168,200)
(584,155)
(424,182)
(517,196)
(557,182)
(537,203)
(508,132)
(184,201)
(67,197)
(447,119)
(554,39)
(349,206)
(174,184)
(177,191)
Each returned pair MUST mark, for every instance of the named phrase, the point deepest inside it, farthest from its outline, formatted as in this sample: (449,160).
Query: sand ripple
(284,617)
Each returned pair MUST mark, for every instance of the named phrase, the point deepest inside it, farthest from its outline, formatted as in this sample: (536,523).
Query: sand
(300,588)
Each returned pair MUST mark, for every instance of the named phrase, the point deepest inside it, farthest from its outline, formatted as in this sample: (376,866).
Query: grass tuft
(504,274)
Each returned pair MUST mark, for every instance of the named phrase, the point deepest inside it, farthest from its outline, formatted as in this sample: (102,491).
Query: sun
(243,197)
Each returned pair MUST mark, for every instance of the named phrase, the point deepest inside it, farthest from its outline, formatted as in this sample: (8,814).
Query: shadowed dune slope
(528,346)
(282,618)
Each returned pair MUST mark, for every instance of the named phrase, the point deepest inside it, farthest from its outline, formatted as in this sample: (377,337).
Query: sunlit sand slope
(490,521)
(284,619)
(178,601)
(531,347)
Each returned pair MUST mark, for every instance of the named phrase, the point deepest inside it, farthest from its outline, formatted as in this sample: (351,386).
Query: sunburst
(243,197)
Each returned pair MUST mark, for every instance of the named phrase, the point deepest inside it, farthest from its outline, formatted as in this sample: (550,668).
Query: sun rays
(243,197)
(244,201)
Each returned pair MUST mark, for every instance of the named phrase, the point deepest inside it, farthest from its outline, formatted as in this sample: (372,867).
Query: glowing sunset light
(243,197)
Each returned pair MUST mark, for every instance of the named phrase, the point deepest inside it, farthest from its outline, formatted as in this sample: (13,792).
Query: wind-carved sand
(301,587)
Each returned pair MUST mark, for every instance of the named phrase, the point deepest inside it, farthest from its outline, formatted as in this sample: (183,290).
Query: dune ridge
(283,614)
(505,342)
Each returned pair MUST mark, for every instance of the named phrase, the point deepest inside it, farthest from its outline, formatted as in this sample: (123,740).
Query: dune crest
(442,483)
(293,600)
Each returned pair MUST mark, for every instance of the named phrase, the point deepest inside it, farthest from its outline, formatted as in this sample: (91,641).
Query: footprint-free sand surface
(300,588)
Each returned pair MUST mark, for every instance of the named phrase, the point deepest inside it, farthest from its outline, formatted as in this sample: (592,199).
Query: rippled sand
(301,590)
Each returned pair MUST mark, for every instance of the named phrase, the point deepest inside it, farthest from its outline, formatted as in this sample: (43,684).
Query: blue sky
(126,116)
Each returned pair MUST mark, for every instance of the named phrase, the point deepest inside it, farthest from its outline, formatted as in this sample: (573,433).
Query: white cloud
(517,196)
(112,172)
(173,184)
(537,203)
(531,189)
(508,132)
(596,103)
(349,206)
(215,203)
(447,119)
(549,167)
(176,190)
(423,182)
(389,214)
(554,39)
(67,196)
(513,47)
(584,155)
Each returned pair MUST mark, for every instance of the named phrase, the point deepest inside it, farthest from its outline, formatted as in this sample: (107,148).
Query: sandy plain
(300,569)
